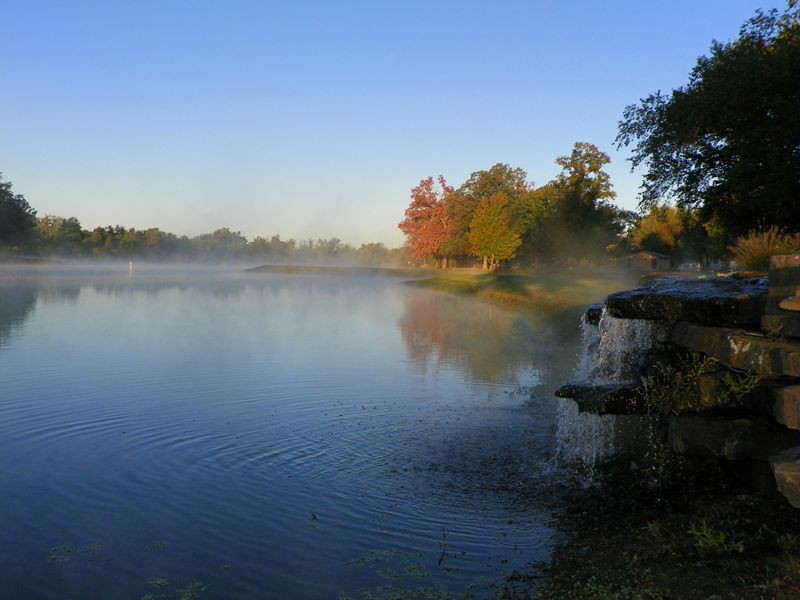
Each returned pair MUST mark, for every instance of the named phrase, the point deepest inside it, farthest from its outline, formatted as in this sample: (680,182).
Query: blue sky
(314,119)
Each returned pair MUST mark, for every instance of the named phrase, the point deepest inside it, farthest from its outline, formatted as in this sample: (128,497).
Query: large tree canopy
(583,221)
(728,142)
(17,218)
(462,204)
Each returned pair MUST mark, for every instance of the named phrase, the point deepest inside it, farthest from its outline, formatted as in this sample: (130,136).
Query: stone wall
(749,325)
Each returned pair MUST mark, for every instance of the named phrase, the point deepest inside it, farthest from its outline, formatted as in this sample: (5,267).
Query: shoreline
(696,535)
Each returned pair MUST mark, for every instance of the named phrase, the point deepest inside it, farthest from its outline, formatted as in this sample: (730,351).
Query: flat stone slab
(724,302)
(740,349)
(786,469)
(792,303)
(784,284)
(786,406)
(780,261)
(785,325)
(780,296)
(707,436)
(604,399)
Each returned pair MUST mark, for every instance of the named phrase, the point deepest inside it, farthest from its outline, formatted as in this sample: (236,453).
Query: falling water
(582,439)
(611,352)
(589,349)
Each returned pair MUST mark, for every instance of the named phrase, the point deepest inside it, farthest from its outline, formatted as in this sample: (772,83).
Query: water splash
(582,440)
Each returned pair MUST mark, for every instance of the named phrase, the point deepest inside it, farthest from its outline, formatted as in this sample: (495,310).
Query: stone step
(786,406)
(706,436)
(785,325)
(783,303)
(786,469)
(775,297)
(604,399)
(791,303)
(723,302)
(784,270)
(767,356)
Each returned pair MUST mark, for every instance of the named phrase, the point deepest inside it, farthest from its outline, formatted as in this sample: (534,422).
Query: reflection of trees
(487,342)
(20,290)
(16,304)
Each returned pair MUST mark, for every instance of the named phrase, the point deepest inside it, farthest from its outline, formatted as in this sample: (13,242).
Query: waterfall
(582,439)
(589,348)
(611,352)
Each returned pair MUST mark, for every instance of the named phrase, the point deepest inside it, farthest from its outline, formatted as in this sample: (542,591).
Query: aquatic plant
(190,592)
(66,552)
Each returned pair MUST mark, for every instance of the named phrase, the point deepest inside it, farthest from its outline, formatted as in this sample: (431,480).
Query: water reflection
(266,422)
(488,343)
(16,304)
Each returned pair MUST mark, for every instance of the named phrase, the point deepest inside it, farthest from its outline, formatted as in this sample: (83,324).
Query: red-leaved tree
(427,224)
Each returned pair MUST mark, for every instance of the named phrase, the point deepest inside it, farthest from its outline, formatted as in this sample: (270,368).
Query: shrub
(752,251)
(672,387)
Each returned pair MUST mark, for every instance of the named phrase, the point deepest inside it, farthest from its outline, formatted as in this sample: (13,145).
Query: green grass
(696,536)
(542,291)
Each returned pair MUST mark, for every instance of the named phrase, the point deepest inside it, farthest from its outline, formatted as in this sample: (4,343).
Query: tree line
(720,157)
(22,232)
(497,214)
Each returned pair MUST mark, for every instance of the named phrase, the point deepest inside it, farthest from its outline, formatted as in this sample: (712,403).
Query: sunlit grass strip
(548,292)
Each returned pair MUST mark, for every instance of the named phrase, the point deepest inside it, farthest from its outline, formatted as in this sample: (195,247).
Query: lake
(268,435)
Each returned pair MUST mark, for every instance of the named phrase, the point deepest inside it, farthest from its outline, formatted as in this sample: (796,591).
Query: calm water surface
(270,436)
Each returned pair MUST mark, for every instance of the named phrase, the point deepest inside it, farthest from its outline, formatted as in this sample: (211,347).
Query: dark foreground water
(269,436)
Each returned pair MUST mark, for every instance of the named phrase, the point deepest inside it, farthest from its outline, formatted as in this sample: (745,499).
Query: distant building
(647,260)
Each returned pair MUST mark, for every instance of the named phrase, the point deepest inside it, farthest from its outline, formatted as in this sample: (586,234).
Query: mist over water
(269,435)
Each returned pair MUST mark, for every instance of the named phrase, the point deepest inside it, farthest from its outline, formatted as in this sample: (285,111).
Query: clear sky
(314,119)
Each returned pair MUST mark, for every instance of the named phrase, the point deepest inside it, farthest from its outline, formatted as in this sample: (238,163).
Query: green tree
(222,243)
(130,241)
(660,230)
(17,218)
(57,235)
(462,203)
(727,143)
(583,183)
(274,248)
(583,222)
(491,234)
(372,254)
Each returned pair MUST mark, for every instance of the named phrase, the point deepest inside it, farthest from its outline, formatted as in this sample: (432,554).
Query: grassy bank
(548,291)
(543,290)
